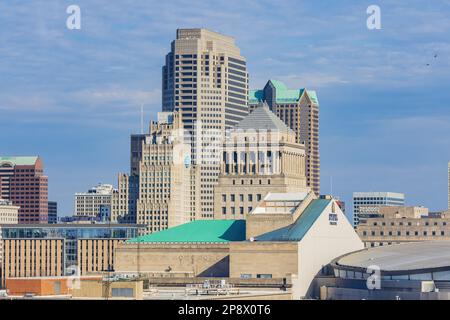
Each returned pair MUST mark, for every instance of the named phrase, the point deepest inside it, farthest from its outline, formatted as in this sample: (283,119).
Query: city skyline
(382,99)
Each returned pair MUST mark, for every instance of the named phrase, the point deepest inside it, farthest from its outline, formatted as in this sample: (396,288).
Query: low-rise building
(287,239)
(391,225)
(60,249)
(89,203)
(260,156)
(9,214)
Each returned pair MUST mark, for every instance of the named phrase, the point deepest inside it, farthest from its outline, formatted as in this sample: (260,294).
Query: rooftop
(283,94)
(263,119)
(297,230)
(408,257)
(19,161)
(211,231)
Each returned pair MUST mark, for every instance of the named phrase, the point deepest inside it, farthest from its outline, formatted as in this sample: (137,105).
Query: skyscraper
(367,204)
(22,181)
(205,79)
(299,110)
(164,176)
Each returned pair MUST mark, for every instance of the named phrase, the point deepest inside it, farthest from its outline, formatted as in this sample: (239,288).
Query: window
(258,197)
(250,197)
(241,210)
(250,209)
(264,276)
(232,197)
(224,210)
(224,198)
(241,197)
(233,210)
(246,276)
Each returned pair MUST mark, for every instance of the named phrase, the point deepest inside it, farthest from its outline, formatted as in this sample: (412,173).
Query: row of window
(241,197)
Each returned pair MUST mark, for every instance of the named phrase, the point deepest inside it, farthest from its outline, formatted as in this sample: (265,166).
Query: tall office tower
(22,181)
(299,109)
(164,175)
(205,78)
(88,204)
(121,205)
(260,155)
(52,212)
(367,204)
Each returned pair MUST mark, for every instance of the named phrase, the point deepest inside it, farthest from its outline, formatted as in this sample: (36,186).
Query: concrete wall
(203,260)
(276,258)
(258,224)
(99,289)
(323,243)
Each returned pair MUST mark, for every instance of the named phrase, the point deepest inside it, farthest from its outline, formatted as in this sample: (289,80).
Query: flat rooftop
(406,257)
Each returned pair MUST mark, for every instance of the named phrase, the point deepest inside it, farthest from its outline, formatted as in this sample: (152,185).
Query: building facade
(165,176)
(52,212)
(205,79)
(299,110)
(43,250)
(9,213)
(89,203)
(22,181)
(365,204)
(260,155)
(393,225)
(290,240)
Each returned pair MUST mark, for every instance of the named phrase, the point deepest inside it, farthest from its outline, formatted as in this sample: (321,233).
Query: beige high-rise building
(260,155)
(205,79)
(299,110)
(164,176)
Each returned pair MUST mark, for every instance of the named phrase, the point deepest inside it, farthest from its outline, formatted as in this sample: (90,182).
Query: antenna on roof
(331,185)
(142,118)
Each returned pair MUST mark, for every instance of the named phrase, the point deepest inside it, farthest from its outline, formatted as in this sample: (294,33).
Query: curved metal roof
(411,257)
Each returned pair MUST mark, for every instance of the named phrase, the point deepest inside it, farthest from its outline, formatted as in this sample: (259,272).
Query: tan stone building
(260,155)
(299,110)
(164,176)
(393,225)
(205,78)
(289,238)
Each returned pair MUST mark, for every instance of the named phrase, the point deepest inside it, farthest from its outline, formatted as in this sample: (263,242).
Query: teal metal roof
(256,96)
(216,231)
(313,96)
(297,230)
(283,94)
(20,161)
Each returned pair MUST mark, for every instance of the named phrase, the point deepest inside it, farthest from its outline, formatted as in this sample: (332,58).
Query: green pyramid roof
(211,231)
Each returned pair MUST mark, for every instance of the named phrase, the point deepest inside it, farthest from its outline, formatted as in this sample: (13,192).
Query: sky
(73,97)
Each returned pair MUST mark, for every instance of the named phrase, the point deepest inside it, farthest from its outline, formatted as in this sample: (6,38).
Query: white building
(90,203)
(293,236)
(8,212)
(367,203)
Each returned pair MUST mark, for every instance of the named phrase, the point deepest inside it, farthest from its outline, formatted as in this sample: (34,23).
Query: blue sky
(73,96)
